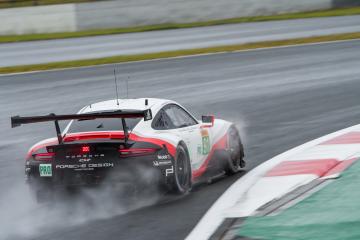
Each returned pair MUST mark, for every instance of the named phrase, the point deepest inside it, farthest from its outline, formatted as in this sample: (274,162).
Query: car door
(188,129)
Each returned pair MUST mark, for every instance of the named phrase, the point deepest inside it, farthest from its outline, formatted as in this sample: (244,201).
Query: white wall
(122,13)
(42,19)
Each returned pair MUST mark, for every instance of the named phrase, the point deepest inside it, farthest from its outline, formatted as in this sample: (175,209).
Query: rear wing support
(17,121)
(58,132)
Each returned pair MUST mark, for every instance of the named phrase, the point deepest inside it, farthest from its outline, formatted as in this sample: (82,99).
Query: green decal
(199,149)
(45,170)
(205,144)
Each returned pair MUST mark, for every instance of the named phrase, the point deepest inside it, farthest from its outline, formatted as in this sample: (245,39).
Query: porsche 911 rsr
(123,140)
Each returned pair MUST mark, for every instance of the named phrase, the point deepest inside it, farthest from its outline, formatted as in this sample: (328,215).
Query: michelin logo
(161,163)
(163,160)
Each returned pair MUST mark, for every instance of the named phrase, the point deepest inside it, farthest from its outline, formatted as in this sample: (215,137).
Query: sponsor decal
(45,170)
(169,171)
(162,160)
(164,157)
(95,165)
(205,141)
(161,163)
(84,159)
(85,156)
(84,165)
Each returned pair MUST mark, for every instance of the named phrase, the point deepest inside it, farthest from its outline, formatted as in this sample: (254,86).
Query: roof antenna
(117,94)
(127,87)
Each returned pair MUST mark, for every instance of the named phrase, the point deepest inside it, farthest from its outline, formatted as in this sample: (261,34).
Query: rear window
(104,124)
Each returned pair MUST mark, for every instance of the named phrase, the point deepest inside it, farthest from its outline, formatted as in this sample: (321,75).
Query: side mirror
(208,121)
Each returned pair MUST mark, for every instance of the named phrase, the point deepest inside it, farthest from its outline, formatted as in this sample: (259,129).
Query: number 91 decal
(205,142)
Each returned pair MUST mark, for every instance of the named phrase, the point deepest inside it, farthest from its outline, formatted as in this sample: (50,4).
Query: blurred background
(47,16)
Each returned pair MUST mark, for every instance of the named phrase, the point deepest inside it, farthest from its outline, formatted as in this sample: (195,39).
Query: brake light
(44,156)
(85,149)
(132,152)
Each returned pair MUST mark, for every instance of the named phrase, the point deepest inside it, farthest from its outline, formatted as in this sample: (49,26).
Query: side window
(179,117)
(162,121)
(169,110)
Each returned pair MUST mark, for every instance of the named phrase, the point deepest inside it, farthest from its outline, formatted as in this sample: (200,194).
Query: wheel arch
(183,144)
(233,126)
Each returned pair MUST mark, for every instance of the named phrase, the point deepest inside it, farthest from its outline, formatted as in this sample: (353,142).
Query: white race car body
(170,126)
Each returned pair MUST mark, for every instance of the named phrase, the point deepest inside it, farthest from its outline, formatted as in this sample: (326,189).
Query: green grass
(141,57)
(47,36)
(332,213)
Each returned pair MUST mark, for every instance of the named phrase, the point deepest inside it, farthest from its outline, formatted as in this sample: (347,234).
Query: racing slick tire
(235,157)
(182,172)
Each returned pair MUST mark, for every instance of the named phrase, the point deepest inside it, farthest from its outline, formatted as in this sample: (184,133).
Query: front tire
(182,172)
(235,157)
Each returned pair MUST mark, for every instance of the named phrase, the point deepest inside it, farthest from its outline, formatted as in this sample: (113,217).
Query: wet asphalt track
(280,98)
(34,52)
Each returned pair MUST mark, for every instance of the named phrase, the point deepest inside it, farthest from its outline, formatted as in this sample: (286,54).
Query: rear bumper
(153,169)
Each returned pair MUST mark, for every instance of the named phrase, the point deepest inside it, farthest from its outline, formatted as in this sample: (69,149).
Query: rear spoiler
(17,121)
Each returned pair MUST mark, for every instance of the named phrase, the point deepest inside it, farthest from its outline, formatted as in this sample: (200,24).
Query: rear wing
(17,121)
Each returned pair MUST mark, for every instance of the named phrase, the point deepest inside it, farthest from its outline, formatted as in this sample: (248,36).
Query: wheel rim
(182,170)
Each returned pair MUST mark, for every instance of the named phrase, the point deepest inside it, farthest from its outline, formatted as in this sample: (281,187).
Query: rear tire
(182,172)
(235,157)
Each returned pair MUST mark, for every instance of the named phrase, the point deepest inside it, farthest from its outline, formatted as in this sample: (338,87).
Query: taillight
(44,156)
(85,149)
(132,152)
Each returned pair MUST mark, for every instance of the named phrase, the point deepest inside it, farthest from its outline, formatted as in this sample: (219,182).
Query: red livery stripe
(221,144)
(119,135)
(51,141)
(171,148)
(105,135)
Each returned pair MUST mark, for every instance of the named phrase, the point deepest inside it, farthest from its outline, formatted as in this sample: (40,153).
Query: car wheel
(235,157)
(182,172)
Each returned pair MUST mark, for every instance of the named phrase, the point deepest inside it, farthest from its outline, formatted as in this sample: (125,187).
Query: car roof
(133,104)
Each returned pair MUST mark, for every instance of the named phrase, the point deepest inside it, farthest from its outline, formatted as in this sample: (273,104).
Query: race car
(124,140)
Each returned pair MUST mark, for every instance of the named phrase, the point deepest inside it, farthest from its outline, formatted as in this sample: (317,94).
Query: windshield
(102,124)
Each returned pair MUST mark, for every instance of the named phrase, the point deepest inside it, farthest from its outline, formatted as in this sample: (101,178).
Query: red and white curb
(325,157)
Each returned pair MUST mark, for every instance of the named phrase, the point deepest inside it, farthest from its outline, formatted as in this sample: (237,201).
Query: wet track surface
(279,98)
(34,52)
